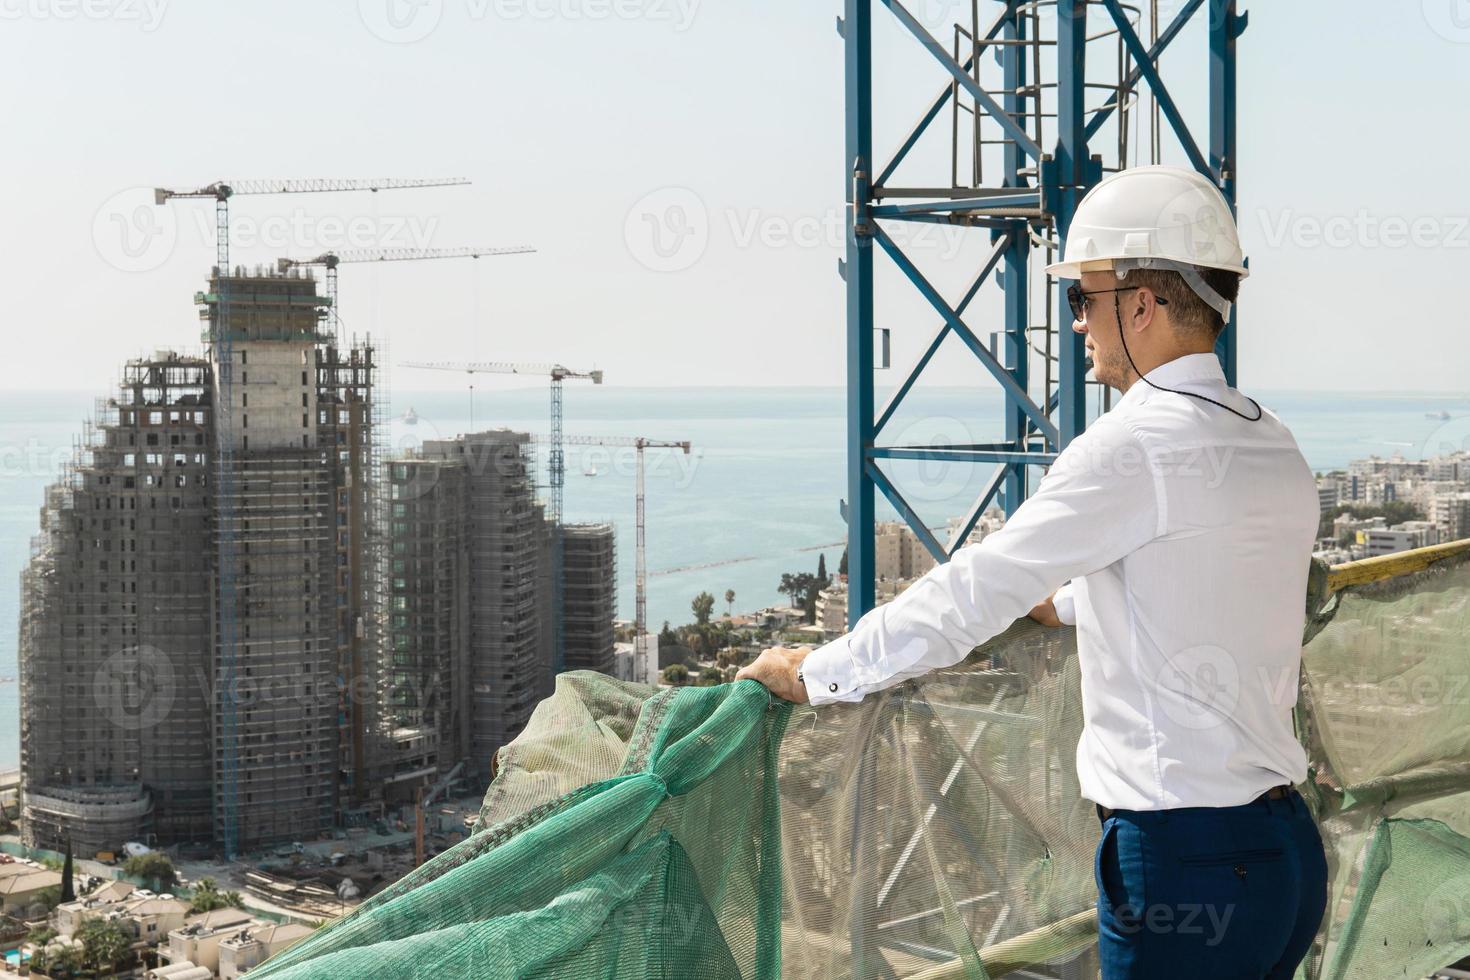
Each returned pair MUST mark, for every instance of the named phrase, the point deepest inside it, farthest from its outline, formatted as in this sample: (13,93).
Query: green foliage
(804,587)
(729,602)
(710,676)
(105,944)
(703,605)
(208,897)
(153,866)
(842,565)
(676,674)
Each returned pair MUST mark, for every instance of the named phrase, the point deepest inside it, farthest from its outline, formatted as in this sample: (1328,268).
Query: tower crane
(640,580)
(221,191)
(330,261)
(556,463)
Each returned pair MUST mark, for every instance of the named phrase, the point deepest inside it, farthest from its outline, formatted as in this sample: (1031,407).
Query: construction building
(236,630)
(589,597)
(467,627)
(197,618)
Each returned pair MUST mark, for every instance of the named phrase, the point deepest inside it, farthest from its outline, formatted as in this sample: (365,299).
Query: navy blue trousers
(1201,892)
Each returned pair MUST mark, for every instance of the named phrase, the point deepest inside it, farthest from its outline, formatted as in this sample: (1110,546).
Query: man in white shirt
(1175,533)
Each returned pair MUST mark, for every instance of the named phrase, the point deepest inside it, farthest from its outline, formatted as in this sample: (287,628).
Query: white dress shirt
(1186,534)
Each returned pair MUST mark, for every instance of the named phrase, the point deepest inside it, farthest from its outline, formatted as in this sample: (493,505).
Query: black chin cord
(1118,312)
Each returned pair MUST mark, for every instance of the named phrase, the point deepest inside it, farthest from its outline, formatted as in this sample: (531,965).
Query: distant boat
(591,470)
(410,417)
(1439,416)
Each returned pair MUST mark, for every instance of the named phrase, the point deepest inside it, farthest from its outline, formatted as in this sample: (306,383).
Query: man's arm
(1098,502)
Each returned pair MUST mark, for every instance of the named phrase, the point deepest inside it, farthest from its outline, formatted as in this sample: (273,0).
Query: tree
(154,867)
(105,943)
(729,602)
(68,887)
(676,674)
(208,897)
(842,564)
(703,605)
(822,568)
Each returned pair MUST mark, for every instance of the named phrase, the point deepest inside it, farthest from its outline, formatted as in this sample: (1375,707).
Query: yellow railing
(1391,566)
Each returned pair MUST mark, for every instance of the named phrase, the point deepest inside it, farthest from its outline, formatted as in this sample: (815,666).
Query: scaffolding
(467,635)
(114,628)
(589,596)
(199,632)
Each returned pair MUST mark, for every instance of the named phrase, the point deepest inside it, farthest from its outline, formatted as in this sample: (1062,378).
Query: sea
(759,494)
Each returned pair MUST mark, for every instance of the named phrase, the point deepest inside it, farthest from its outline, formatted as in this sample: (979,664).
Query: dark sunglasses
(1077,298)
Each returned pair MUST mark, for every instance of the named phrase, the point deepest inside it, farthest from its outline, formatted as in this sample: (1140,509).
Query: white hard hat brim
(1073,270)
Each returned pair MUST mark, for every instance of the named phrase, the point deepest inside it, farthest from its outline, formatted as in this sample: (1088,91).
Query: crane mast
(640,579)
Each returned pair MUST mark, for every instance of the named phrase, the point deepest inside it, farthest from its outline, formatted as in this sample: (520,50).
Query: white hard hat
(1152,217)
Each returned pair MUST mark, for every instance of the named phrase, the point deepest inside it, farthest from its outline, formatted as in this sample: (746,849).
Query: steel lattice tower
(1042,117)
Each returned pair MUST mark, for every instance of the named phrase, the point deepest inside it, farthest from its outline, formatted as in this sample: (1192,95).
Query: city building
(1400,537)
(589,597)
(1451,512)
(22,885)
(468,648)
(898,553)
(257,944)
(196,943)
(148,918)
(197,613)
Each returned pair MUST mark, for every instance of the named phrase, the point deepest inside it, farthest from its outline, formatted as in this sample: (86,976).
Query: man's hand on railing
(1045,612)
(776,668)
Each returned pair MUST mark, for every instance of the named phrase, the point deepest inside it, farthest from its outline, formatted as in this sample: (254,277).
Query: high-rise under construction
(197,625)
(235,629)
(469,621)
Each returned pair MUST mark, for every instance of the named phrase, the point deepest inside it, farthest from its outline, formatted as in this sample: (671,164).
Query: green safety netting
(934,830)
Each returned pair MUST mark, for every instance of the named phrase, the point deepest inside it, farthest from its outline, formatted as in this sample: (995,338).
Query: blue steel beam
(969,220)
(963,454)
(857,34)
(1135,75)
(981,352)
(1069,179)
(1029,199)
(898,396)
(915,523)
(1017,298)
(935,107)
(1156,84)
(1225,27)
(1012,130)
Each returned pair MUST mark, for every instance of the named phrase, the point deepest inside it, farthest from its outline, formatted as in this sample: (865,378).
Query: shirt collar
(1189,367)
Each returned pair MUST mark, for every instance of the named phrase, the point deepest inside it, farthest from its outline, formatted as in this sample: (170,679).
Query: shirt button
(832,688)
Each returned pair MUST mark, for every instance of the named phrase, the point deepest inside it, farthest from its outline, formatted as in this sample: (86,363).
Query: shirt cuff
(829,674)
(1065,605)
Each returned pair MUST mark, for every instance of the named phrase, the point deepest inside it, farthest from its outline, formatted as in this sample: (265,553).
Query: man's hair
(1187,311)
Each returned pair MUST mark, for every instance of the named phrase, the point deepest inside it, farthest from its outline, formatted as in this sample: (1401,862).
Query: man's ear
(1145,307)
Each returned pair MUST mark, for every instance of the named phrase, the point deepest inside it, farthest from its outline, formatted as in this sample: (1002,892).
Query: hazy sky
(589,126)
